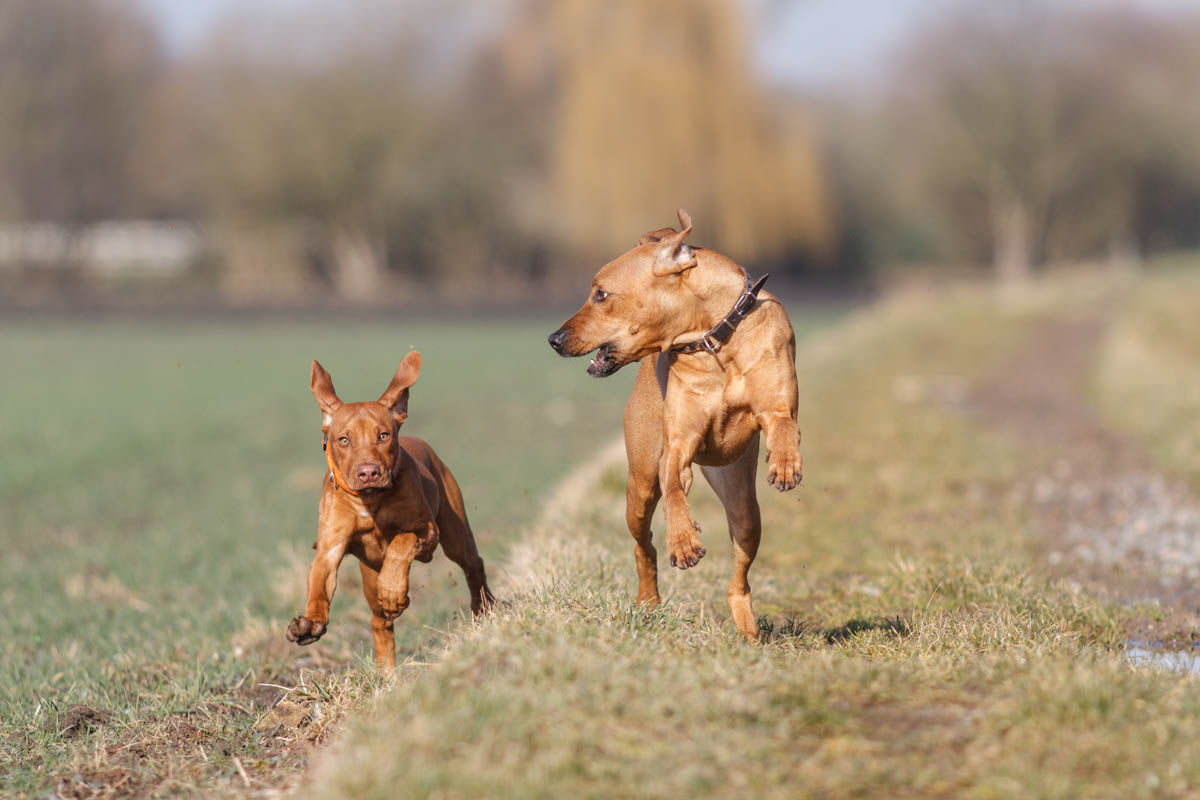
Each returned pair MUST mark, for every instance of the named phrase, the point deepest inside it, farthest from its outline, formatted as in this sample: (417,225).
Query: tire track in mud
(1109,517)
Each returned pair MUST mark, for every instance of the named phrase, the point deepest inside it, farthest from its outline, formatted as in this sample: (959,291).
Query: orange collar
(337,473)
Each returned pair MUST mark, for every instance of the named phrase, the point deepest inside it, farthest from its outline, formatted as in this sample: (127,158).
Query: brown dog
(718,366)
(388,500)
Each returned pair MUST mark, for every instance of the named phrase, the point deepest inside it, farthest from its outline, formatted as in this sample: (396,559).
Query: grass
(160,493)
(1147,381)
(915,645)
(160,500)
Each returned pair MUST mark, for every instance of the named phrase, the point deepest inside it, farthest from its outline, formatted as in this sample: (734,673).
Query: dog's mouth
(604,363)
(374,488)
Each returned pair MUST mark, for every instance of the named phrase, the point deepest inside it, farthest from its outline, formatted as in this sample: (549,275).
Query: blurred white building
(110,249)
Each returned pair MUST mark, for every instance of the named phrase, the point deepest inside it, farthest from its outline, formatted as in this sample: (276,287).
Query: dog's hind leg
(734,485)
(463,551)
(382,626)
(643,449)
(458,543)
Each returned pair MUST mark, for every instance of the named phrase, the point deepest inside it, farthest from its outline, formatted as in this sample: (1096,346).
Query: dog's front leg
(675,476)
(785,467)
(322,582)
(393,575)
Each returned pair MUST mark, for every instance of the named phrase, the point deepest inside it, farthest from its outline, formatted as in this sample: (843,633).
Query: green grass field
(916,643)
(160,497)
(160,503)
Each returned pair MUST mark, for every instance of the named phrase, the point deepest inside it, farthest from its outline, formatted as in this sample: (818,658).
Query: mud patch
(285,715)
(78,720)
(1108,517)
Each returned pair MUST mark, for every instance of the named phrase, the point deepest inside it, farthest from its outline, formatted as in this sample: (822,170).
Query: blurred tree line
(382,151)
(1024,134)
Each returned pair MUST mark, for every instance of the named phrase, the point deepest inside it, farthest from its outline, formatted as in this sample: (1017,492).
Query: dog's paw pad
(687,555)
(785,473)
(303,630)
(393,604)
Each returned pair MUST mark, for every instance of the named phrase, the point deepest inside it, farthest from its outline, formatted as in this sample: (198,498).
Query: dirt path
(1110,519)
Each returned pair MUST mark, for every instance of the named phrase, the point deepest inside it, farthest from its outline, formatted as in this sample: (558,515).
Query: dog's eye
(600,296)
(383,436)
(343,440)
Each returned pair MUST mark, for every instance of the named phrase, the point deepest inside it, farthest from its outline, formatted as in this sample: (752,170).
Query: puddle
(1156,654)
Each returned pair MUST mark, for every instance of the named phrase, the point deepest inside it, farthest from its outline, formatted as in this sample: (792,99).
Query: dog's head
(635,303)
(361,437)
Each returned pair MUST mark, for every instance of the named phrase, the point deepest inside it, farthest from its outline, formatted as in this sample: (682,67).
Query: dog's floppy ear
(673,256)
(322,389)
(656,236)
(395,397)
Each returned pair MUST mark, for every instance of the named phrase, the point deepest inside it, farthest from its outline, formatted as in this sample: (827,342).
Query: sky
(814,43)
(805,43)
(800,41)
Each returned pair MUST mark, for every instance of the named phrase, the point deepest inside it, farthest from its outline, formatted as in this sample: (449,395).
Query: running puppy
(388,500)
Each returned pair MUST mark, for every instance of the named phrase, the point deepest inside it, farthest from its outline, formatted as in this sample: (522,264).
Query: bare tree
(371,143)
(74,77)
(1027,126)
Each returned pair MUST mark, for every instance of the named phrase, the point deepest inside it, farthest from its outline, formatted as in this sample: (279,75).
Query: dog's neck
(717,285)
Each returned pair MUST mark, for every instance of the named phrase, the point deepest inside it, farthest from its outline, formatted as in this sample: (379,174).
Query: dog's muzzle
(602,365)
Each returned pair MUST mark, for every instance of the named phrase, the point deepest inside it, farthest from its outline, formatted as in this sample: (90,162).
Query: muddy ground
(1108,518)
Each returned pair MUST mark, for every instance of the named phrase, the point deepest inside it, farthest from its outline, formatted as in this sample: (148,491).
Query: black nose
(557,340)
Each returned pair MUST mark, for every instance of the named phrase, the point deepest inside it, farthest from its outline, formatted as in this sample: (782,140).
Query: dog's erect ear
(322,389)
(673,256)
(395,397)
(656,236)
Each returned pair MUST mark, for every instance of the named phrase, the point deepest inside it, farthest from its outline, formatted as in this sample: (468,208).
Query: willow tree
(658,108)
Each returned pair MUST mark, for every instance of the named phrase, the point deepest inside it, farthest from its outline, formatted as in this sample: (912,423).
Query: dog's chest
(377,529)
(390,520)
(728,432)
(371,545)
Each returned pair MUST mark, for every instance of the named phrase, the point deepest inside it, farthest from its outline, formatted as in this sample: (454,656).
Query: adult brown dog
(718,365)
(389,500)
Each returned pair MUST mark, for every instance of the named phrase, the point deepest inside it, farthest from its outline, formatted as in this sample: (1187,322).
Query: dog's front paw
(304,631)
(393,601)
(785,470)
(684,546)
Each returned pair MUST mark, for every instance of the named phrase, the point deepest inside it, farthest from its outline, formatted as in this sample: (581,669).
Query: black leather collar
(719,334)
